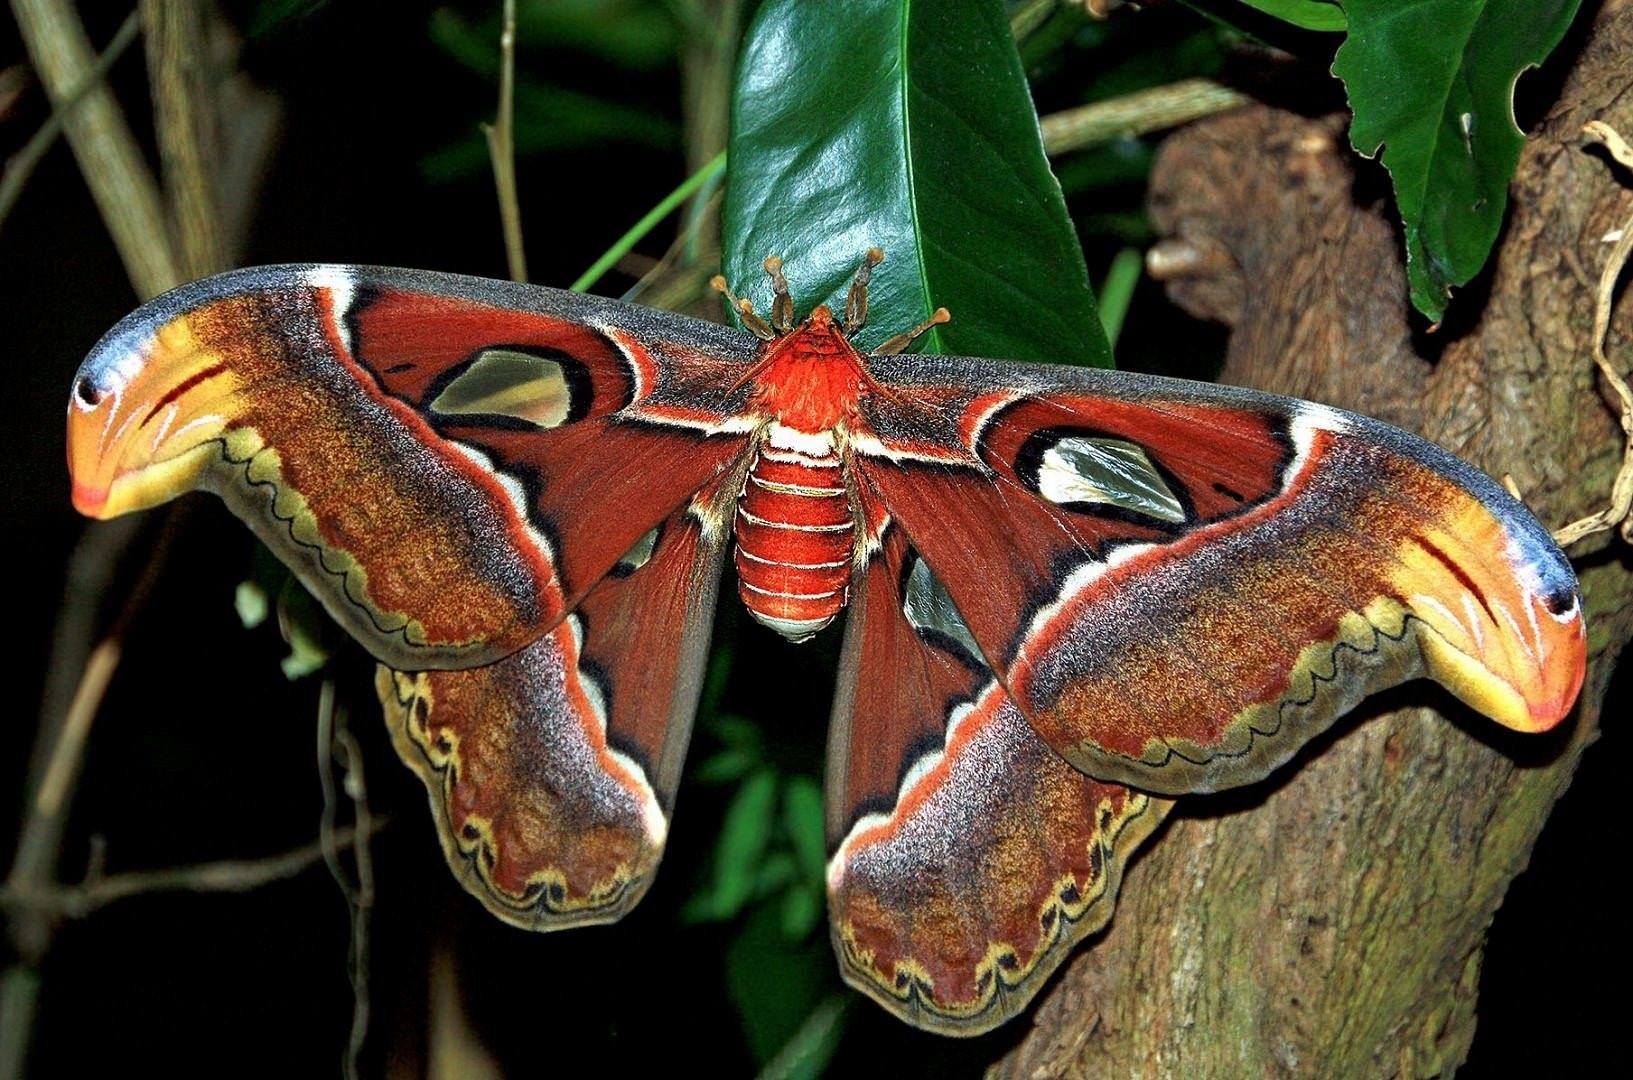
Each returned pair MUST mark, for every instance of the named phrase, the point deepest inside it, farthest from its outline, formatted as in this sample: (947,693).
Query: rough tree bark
(1330,922)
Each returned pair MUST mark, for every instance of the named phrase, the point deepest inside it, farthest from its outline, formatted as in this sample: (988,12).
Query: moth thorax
(795,533)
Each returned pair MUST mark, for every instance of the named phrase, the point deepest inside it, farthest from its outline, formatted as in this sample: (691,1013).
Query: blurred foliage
(270,16)
(1308,14)
(766,878)
(586,37)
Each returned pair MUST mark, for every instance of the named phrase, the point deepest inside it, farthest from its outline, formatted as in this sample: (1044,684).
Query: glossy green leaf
(907,126)
(1431,83)
(1307,14)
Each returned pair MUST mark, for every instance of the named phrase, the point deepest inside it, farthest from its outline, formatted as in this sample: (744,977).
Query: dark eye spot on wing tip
(1561,600)
(87,391)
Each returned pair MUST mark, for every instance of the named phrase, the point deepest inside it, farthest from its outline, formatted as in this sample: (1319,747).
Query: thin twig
(502,148)
(1030,15)
(1615,515)
(109,159)
(22,164)
(649,221)
(184,119)
(1137,114)
(337,744)
(226,875)
(41,835)
(54,772)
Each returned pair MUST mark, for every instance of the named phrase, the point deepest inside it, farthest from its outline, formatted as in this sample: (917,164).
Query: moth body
(796,522)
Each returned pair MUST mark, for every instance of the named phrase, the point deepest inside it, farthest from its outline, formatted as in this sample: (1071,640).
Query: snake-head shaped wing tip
(1501,614)
(161,387)
(140,414)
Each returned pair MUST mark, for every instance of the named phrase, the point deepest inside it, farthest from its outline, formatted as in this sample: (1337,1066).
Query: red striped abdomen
(794,540)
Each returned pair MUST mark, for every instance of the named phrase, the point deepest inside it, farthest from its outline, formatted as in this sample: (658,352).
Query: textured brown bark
(1330,922)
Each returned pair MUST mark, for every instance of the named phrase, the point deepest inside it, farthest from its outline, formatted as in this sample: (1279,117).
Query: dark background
(203,750)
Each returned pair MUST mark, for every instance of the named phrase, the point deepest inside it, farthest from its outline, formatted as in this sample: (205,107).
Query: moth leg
(856,301)
(902,341)
(745,310)
(782,301)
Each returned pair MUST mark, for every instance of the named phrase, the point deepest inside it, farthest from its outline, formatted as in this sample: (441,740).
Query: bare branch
(502,148)
(22,164)
(1137,114)
(185,118)
(226,875)
(337,744)
(109,159)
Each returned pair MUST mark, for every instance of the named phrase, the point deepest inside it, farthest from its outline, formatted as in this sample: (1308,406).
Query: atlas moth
(1069,593)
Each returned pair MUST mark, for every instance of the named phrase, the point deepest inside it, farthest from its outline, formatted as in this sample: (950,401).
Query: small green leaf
(802,821)
(303,624)
(1431,83)
(910,127)
(777,871)
(725,766)
(737,732)
(744,834)
(801,910)
(251,603)
(1117,291)
(1307,14)
(635,34)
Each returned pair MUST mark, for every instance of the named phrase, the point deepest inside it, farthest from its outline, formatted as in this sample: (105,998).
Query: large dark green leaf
(1432,83)
(907,126)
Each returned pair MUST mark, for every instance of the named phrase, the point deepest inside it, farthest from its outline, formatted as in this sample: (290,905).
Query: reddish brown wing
(1180,584)
(968,857)
(552,773)
(450,464)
